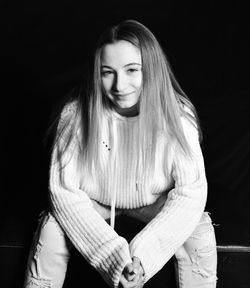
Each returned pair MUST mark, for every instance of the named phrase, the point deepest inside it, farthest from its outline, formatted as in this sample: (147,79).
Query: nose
(120,83)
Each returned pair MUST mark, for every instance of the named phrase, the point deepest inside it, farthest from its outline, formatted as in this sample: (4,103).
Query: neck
(128,112)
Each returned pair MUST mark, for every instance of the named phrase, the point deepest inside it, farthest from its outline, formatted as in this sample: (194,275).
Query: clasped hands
(132,275)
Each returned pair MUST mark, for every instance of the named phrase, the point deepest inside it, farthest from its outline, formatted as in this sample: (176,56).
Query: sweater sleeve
(162,236)
(99,244)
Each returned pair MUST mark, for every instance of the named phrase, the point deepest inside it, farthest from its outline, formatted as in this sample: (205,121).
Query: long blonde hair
(162,101)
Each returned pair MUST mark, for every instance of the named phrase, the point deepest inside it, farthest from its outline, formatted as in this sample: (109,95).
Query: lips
(122,95)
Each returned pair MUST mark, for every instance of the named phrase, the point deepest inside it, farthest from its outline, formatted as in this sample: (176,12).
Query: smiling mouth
(122,95)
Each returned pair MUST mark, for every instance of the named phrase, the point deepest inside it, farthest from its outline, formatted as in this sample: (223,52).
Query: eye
(132,70)
(106,73)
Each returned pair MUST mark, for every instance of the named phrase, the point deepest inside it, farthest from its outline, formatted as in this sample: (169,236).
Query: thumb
(128,272)
(129,268)
(136,262)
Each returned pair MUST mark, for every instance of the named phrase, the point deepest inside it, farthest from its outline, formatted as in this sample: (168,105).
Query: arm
(102,247)
(180,214)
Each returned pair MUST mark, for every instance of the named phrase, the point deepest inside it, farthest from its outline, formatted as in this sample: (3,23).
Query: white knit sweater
(182,178)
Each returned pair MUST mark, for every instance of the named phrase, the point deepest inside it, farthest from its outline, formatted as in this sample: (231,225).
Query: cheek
(138,82)
(106,84)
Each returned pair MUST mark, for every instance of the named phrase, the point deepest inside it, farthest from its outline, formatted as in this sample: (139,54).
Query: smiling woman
(127,145)
(122,74)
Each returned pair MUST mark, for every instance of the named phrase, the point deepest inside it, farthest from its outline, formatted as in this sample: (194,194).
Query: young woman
(129,144)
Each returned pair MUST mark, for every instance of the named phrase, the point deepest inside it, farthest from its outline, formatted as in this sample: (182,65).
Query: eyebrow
(129,64)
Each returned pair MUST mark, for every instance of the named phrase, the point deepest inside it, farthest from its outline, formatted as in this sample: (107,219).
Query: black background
(46,44)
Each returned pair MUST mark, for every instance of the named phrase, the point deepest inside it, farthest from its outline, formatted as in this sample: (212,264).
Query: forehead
(120,53)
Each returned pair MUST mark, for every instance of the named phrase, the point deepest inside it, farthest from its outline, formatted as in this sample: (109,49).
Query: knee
(204,234)
(199,251)
(197,264)
(50,238)
(37,282)
(51,230)
(49,255)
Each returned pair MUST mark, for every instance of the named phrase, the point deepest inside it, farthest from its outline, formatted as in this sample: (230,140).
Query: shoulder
(188,119)
(190,126)
(69,115)
(69,109)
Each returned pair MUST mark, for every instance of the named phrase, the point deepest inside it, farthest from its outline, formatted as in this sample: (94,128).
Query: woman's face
(121,70)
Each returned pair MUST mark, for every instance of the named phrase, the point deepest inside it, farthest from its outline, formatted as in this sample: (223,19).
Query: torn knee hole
(38,249)
(201,272)
(205,274)
(39,283)
(204,263)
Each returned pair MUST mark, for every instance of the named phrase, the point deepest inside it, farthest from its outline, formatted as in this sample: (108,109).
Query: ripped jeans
(196,264)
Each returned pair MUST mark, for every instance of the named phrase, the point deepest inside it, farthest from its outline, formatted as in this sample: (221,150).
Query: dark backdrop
(45,51)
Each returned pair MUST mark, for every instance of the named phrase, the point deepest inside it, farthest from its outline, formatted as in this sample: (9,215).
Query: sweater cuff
(115,264)
(146,259)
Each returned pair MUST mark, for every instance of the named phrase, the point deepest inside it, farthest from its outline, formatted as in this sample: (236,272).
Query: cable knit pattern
(181,177)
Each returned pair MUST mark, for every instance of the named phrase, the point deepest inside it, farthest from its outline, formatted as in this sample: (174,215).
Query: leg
(49,255)
(197,257)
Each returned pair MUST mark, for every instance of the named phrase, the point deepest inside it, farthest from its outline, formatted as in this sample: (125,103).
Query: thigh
(49,254)
(197,257)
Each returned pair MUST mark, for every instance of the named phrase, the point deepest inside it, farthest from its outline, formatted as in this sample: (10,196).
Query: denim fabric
(196,259)
(49,255)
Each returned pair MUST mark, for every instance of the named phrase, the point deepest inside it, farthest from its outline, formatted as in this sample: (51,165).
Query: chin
(125,105)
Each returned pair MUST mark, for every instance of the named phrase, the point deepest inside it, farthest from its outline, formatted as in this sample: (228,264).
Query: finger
(135,281)
(138,282)
(123,282)
(129,272)
(127,284)
(129,268)
(130,277)
(141,282)
(136,261)
(137,266)
(133,273)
